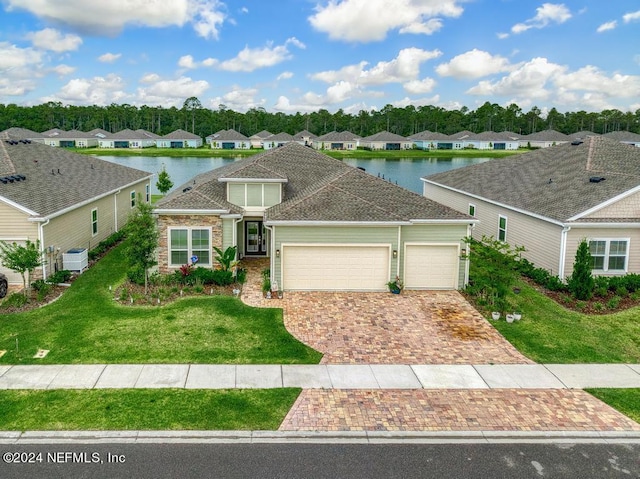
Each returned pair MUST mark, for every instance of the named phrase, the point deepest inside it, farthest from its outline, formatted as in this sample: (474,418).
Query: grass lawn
(627,401)
(549,333)
(144,409)
(85,326)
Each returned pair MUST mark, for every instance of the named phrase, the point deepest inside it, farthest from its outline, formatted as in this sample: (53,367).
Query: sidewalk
(321,376)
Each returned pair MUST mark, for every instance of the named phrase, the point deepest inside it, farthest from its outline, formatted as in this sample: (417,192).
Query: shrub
(598,306)
(222,278)
(61,276)
(241,276)
(106,244)
(632,282)
(14,300)
(601,292)
(622,291)
(581,282)
(136,274)
(554,283)
(614,302)
(41,285)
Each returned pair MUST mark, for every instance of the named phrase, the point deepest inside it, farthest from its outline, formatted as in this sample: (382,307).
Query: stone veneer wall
(166,221)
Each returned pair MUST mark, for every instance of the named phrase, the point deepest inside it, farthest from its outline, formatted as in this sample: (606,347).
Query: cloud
(285,76)
(111,17)
(420,87)
(546,14)
(607,26)
(592,79)
(405,67)
(238,99)
(371,20)
(250,59)
(98,90)
(109,57)
(473,64)
(63,70)
(51,39)
(631,17)
(158,91)
(12,57)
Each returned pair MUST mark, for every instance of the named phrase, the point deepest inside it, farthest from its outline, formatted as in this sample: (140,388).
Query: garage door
(431,266)
(335,268)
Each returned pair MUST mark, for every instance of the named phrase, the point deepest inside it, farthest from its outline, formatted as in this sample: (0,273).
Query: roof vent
(596,179)
(577,142)
(188,188)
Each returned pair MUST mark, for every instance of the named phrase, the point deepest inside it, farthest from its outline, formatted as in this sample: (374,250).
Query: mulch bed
(34,302)
(130,294)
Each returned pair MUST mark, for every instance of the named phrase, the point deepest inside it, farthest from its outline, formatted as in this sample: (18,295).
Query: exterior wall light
(277,253)
(395,253)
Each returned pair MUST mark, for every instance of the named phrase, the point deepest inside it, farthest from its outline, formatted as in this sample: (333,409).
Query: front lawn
(550,333)
(87,326)
(145,409)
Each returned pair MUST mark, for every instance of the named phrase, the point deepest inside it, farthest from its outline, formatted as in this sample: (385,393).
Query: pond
(405,172)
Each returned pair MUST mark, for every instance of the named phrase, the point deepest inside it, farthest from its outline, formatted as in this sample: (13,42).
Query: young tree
(581,282)
(21,259)
(142,241)
(164,182)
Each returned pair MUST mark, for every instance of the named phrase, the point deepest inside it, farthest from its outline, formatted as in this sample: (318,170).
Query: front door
(256,241)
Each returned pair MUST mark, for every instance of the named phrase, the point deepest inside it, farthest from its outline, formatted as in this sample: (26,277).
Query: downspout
(563,251)
(272,254)
(115,210)
(466,260)
(399,254)
(41,239)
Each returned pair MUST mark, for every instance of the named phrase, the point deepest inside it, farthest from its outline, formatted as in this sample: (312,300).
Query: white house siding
(541,239)
(576,235)
(15,227)
(628,207)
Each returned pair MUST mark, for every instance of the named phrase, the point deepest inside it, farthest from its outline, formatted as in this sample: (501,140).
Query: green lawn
(144,409)
(549,333)
(627,401)
(86,326)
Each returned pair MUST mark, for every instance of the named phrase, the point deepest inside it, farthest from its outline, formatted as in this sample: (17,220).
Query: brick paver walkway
(453,410)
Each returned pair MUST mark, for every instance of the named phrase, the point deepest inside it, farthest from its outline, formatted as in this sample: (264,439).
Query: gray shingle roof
(338,136)
(546,135)
(301,135)
(623,136)
(75,178)
(318,188)
(181,135)
(283,136)
(552,182)
(384,136)
(227,135)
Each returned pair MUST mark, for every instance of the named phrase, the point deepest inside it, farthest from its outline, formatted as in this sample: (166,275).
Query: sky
(301,56)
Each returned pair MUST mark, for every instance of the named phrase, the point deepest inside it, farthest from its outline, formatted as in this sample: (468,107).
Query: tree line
(193,117)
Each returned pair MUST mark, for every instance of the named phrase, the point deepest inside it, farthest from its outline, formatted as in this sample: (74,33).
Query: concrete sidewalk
(321,376)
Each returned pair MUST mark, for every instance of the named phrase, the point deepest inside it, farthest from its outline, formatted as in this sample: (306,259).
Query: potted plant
(517,315)
(510,318)
(396,286)
(495,315)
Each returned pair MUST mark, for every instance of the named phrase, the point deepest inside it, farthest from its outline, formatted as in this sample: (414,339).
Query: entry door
(256,241)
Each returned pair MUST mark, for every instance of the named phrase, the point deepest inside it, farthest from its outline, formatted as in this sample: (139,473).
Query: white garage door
(431,266)
(335,268)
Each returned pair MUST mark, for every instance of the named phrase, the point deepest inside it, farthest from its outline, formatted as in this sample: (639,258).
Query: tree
(192,104)
(164,183)
(141,243)
(581,282)
(21,259)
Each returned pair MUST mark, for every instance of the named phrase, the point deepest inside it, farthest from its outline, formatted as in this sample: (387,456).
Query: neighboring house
(550,199)
(625,137)
(490,140)
(544,139)
(429,140)
(129,139)
(67,139)
(62,199)
(386,141)
(179,139)
(99,133)
(258,138)
(279,139)
(582,135)
(305,138)
(323,224)
(343,140)
(228,140)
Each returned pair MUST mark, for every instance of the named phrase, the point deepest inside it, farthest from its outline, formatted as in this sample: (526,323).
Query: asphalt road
(493,461)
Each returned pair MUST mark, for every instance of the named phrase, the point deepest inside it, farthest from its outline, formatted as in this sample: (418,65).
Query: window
(188,242)
(502,228)
(609,254)
(94,222)
(147,193)
(472,209)
(133,199)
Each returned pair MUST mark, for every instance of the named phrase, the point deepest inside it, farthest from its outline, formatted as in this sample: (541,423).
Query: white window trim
(606,255)
(471,205)
(189,244)
(506,224)
(133,199)
(96,222)
(246,195)
(147,191)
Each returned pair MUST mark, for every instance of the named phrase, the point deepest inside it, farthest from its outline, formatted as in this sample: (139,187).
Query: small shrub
(598,306)
(554,283)
(136,275)
(622,291)
(222,278)
(601,292)
(581,305)
(14,300)
(635,296)
(581,282)
(198,289)
(40,284)
(632,282)
(241,276)
(601,282)
(614,302)
(62,276)
(566,299)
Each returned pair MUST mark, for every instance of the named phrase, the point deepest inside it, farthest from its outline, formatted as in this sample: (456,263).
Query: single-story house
(64,200)
(128,138)
(385,140)
(549,200)
(627,137)
(337,140)
(179,139)
(258,138)
(429,140)
(490,140)
(279,139)
(543,139)
(305,137)
(67,139)
(99,133)
(324,225)
(228,140)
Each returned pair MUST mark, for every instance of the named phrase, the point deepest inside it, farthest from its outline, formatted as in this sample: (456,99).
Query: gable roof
(546,135)
(552,182)
(283,136)
(623,136)
(227,135)
(261,135)
(384,136)
(301,135)
(57,179)
(19,133)
(180,135)
(317,188)
(338,136)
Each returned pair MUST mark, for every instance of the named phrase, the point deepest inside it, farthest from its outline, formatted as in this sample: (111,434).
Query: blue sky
(300,56)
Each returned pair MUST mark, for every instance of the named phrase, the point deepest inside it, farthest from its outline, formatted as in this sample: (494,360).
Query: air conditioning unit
(76,259)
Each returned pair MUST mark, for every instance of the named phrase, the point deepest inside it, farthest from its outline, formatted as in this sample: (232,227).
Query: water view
(403,172)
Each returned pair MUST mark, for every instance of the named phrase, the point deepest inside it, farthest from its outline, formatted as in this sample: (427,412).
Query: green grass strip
(145,409)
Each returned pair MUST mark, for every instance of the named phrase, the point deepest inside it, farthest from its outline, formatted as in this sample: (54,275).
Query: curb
(318,437)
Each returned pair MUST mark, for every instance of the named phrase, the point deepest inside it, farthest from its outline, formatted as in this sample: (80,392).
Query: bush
(554,283)
(136,275)
(241,276)
(622,291)
(105,245)
(14,300)
(41,285)
(614,302)
(62,276)
(581,282)
(632,282)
